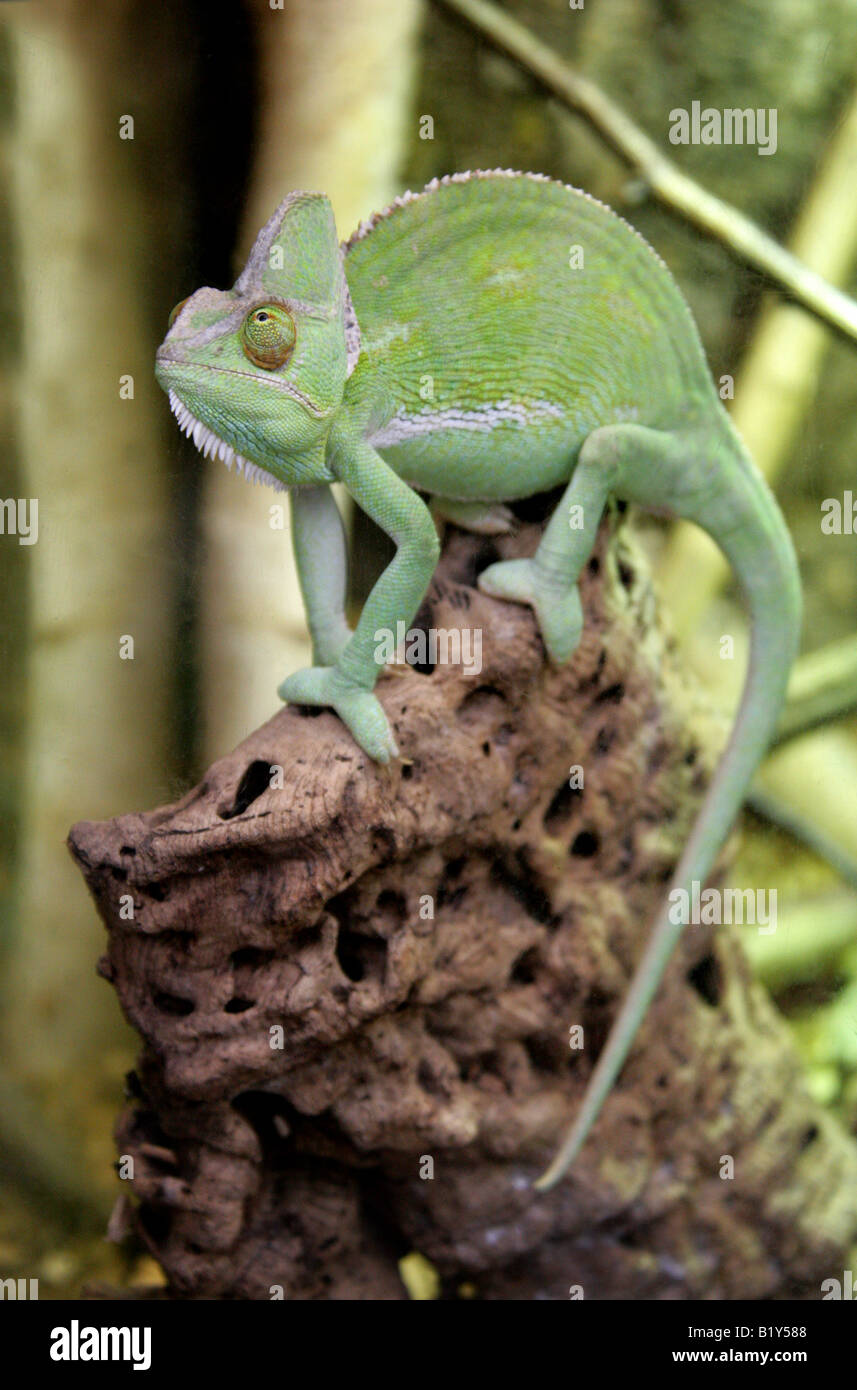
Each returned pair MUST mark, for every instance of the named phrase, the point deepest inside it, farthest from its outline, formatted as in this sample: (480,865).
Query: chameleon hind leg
(630,461)
(548,581)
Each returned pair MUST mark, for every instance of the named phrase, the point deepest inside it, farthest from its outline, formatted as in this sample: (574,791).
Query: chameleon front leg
(346,685)
(318,540)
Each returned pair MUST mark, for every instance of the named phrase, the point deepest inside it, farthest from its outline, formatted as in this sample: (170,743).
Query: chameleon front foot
(556,604)
(360,711)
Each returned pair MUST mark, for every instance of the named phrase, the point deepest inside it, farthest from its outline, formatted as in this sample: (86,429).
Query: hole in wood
(544,1053)
(172,1004)
(585,845)
(392,907)
(706,979)
(561,808)
(238,1005)
(524,971)
(256,780)
(611,694)
(250,957)
(360,957)
(482,705)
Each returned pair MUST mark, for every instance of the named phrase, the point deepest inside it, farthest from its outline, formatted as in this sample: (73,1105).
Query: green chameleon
(492,337)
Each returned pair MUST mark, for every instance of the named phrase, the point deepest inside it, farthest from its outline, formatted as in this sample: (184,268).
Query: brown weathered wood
(448,1037)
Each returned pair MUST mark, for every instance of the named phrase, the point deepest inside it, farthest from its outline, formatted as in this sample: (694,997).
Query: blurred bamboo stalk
(96,733)
(779,375)
(48,1165)
(335,86)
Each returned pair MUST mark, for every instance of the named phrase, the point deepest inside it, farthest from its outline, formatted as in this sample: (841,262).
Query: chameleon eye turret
(176,310)
(268,336)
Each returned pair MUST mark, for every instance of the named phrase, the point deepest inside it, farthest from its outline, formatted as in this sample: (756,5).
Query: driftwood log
(355,988)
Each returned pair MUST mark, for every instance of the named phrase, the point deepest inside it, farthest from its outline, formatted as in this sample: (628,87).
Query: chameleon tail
(760,551)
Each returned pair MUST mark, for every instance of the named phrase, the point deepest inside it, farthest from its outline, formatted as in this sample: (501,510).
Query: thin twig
(667,183)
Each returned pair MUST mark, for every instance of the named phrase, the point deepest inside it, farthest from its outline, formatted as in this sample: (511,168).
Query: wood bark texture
(409,1037)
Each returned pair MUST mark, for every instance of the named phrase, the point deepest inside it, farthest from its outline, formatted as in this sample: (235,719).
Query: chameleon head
(256,373)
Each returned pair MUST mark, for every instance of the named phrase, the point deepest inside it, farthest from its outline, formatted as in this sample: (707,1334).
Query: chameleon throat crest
(211,445)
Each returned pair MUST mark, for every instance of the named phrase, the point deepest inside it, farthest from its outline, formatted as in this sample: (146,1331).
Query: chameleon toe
(509,579)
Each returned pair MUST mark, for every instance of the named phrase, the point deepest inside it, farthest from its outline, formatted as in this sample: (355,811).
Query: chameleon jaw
(211,445)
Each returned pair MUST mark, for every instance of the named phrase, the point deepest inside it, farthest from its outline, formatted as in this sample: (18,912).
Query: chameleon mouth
(211,445)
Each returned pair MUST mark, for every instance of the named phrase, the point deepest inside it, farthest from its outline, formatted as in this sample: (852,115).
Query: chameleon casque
(313,370)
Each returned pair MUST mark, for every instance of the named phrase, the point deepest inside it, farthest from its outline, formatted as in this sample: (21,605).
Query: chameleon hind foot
(360,711)
(556,604)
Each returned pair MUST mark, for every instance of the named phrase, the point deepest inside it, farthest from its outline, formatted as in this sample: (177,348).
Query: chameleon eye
(268,336)
(174,313)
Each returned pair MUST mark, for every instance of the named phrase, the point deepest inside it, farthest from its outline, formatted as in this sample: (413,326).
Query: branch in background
(811,937)
(823,687)
(667,183)
(772,808)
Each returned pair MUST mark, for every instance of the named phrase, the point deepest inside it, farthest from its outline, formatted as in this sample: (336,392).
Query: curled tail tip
(553,1174)
(597,1091)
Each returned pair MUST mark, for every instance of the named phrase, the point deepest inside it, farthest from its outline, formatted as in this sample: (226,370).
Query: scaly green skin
(472,356)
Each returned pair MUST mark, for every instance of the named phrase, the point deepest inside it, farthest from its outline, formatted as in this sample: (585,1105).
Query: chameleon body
(492,337)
